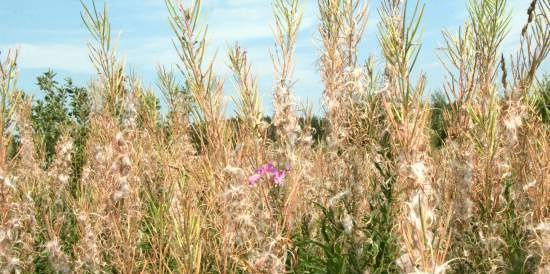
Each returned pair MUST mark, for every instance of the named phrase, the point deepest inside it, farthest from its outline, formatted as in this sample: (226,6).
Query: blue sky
(50,34)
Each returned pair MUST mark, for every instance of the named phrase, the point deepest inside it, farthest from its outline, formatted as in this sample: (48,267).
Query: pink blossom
(278,177)
(252,180)
(270,171)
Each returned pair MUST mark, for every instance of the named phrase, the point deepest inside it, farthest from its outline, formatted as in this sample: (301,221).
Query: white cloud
(239,20)
(69,57)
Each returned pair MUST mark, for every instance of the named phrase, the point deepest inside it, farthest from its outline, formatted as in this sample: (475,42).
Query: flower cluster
(273,174)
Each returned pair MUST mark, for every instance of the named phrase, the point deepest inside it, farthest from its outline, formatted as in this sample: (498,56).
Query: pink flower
(277,176)
(266,169)
(252,180)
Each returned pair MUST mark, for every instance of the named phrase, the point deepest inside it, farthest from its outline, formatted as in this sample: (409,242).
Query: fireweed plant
(272,173)
(96,179)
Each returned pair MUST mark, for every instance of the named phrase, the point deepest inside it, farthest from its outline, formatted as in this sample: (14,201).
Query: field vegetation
(98,179)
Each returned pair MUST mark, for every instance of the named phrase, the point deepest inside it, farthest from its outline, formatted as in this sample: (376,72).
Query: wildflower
(268,168)
(278,177)
(252,180)
(274,174)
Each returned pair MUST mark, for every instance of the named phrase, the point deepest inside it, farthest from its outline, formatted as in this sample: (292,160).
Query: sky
(51,35)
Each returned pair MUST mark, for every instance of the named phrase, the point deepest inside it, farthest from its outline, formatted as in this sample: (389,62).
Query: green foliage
(336,250)
(64,108)
(519,261)
(438,126)
(369,247)
(79,112)
(156,226)
(319,126)
(148,110)
(50,115)
(382,250)
(542,99)
(334,246)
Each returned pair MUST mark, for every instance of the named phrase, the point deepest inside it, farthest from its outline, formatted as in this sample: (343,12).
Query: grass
(97,180)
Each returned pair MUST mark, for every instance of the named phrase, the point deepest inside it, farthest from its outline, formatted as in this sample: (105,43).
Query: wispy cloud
(69,57)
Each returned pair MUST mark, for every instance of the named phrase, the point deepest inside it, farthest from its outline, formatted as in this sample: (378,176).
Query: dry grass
(132,191)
